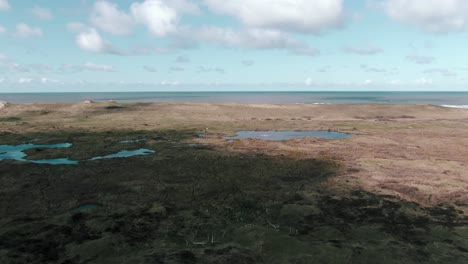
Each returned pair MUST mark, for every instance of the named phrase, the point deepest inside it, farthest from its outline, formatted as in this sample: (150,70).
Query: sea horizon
(442,98)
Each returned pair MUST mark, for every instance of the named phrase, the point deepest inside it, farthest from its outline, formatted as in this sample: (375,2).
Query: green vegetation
(192,204)
(10,119)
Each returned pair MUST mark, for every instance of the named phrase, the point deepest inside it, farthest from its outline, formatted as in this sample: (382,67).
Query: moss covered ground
(189,203)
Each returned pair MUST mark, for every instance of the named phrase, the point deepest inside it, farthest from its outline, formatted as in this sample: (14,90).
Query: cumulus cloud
(4,5)
(25,31)
(309,82)
(160,18)
(2,30)
(299,15)
(418,59)
(437,16)
(249,38)
(42,13)
(363,49)
(90,40)
(108,18)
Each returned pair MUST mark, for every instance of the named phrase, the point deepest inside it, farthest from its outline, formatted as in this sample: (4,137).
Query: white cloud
(24,80)
(423,81)
(160,18)
(254,38)
(309,82)
(169,83)
(24,30)
(418,59)
(42,13)
(98,67)
(298,15)
(45,80)
(363,49)
(90,40)
(251,39)
(2,30)
(184,6)
(108,18)
(437,16)
(4,5)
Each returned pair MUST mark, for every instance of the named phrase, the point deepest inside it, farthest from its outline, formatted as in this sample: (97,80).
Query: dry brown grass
(417,152)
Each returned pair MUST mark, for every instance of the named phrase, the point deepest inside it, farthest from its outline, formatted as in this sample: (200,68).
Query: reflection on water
(10,152)
(85,207)
(126,154)
(286,135)
(55,161)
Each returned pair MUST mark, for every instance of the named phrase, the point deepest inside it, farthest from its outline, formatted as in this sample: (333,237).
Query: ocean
(449,99)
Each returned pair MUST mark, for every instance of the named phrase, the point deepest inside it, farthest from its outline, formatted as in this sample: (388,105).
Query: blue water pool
(286,135)
(10,152)
(129,141)
(85,207)
(126,154)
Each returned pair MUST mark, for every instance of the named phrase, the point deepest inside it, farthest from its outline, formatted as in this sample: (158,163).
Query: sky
(226,45)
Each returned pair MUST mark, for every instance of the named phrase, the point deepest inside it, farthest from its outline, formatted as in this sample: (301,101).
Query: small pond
(11,152)
(129,141)
(126,154)
(86,207)
(286,135)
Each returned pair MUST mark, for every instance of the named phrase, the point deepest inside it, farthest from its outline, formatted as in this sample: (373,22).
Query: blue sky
(223,45)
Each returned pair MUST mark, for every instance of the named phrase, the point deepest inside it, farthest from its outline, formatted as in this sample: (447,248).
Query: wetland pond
(12,152)
(286,135)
